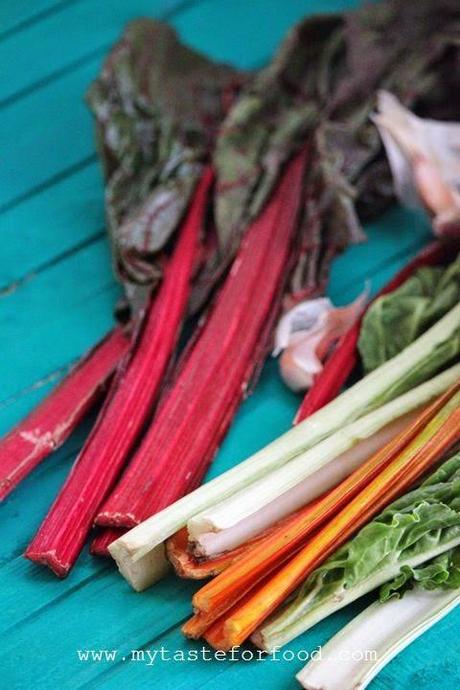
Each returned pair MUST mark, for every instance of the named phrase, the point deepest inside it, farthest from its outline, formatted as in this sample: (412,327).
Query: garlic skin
(298,374)
(424,157)
(306,334)
(303,317)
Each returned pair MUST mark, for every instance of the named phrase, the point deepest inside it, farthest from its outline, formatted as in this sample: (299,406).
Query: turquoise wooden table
(57,296)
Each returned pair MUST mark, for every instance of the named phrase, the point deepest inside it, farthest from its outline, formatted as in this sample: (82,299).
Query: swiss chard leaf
(395,320)
(157,105)
(162,110)
(416,524)
(443,571)
(318,91)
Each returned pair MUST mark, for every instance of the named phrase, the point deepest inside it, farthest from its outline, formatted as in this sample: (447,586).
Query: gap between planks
(88,56)
(35,18)
(59,372)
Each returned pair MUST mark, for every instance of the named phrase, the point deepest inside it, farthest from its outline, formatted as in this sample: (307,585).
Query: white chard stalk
(353,657)
(211,544)
(348,407)
(323,458)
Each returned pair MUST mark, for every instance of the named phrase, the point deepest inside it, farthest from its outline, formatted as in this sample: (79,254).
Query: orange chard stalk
(197,625)
(128,406)
(201,623)
(427,448)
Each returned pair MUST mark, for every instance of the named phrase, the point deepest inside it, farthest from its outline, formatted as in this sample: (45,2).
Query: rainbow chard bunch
(227,196)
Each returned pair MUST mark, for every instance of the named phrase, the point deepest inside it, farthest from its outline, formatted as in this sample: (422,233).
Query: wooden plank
(216,673)
(244,36)
(72,36)
(16,16)
(76,33)
(100,613)
(393,237)
(55,318)
(56,135)
(49,225)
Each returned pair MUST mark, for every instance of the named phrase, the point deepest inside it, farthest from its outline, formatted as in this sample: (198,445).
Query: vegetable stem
(428,446)
(134,391)
(383,628)
(198,409)
(47,427)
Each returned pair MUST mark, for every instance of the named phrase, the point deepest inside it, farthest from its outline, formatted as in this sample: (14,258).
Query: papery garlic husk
(307,333)
(424,157)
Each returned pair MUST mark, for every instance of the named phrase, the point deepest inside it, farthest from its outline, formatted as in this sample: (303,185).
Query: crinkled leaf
(413,525)
(395,320)
(157,105)
(442,571)
(269,121)
(320,89)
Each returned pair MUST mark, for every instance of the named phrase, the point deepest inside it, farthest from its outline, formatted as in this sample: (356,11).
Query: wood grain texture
(56,299)
(17,16)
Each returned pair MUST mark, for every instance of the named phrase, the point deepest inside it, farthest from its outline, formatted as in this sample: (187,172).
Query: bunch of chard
(321,452)
(235,330)
(261,527)
(253,577)
(169,121)
(155,144)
